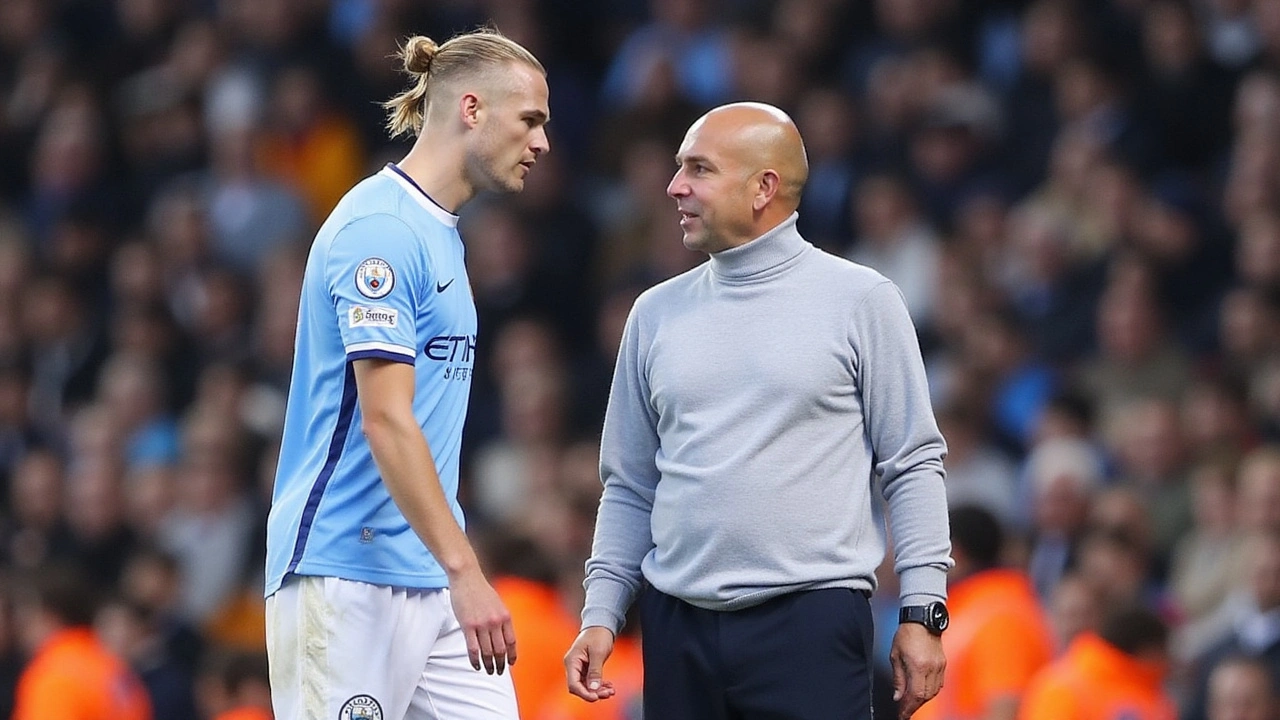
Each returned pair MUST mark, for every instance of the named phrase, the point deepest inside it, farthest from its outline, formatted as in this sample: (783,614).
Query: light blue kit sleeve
(375,273)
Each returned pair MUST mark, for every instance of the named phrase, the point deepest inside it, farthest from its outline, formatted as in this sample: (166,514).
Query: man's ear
(469,109)
(766,188)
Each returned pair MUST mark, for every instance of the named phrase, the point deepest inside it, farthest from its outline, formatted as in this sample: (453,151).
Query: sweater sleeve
(908,448)
(628,450)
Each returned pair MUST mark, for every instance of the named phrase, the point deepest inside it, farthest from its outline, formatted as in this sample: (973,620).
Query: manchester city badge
(361,707)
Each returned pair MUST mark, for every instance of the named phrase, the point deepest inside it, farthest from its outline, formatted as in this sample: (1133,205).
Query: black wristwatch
(933,616)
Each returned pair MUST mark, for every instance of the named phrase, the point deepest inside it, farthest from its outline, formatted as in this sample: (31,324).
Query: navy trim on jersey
(381,355)
(396,169)
(345,412)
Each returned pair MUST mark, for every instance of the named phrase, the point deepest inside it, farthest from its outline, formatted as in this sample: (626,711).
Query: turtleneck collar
(757,257)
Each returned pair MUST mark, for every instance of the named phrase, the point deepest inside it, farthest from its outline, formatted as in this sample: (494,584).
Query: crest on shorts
(374,278)
(360,707)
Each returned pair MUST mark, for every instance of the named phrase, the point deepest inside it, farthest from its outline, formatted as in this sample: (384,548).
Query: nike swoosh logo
(441,288)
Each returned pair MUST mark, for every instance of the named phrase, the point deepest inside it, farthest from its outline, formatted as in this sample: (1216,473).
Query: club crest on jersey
(360,707)
(374,278)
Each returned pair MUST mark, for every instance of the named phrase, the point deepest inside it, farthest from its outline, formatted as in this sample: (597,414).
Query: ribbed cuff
(606,604)
(922,585)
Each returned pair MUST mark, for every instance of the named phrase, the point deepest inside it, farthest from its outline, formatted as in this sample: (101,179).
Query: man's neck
(436,164)
(765,221)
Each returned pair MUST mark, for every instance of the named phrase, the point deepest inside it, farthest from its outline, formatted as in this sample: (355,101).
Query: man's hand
(584,664)
(485,622)
(918,667)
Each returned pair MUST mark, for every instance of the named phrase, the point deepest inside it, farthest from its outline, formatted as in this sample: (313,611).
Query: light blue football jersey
(385,279)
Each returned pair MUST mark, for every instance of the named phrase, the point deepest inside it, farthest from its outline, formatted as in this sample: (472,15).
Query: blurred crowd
(1080,200)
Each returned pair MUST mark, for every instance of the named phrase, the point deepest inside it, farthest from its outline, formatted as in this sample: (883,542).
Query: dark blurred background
(1077,198)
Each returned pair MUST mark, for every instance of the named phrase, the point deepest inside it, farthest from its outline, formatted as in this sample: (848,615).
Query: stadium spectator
(1245,622)
(895,238)
(1206,560)
(999,637)
(978,472)
(71,674)
(1062,475)
(235,685)
(1075,607)
(1118,671)
(132,632)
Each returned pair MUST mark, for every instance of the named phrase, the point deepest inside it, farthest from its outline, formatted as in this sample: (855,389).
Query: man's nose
(677,187)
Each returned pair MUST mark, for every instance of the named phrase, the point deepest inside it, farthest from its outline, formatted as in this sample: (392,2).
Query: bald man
(760,403)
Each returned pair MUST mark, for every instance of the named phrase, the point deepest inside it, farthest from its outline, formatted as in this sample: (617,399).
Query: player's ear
(469,106)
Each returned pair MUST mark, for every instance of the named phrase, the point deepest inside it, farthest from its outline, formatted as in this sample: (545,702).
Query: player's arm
(385,389)
(378,278)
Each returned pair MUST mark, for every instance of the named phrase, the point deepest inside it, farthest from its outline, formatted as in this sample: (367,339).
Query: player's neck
(437,168)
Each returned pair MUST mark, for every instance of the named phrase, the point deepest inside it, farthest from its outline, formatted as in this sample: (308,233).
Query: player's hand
(584,664)
(918,667)
(485,621)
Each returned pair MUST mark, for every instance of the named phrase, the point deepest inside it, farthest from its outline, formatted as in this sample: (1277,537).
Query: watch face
(938,617)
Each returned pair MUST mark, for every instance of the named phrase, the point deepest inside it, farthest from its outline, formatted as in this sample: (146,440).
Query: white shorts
(347,650)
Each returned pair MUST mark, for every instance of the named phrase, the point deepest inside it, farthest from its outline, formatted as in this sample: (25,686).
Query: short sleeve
(374,272)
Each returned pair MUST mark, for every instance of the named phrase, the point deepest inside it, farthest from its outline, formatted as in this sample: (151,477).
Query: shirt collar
(419,195)
(772,249)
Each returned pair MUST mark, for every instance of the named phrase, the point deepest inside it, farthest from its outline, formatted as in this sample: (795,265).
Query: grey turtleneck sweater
(760,403)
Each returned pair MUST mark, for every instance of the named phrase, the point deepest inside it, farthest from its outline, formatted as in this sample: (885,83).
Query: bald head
(740,171)
(760,137)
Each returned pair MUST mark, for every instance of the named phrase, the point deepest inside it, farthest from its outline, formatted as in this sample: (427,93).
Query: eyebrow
(681,160)
(541,117)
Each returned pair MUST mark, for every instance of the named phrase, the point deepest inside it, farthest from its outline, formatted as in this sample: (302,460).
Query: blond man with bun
(376,604)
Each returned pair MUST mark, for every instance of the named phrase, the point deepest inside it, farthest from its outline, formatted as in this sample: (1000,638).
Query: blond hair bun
(470,55)
(418,53)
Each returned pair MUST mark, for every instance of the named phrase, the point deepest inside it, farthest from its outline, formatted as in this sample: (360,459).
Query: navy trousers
(802,656)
